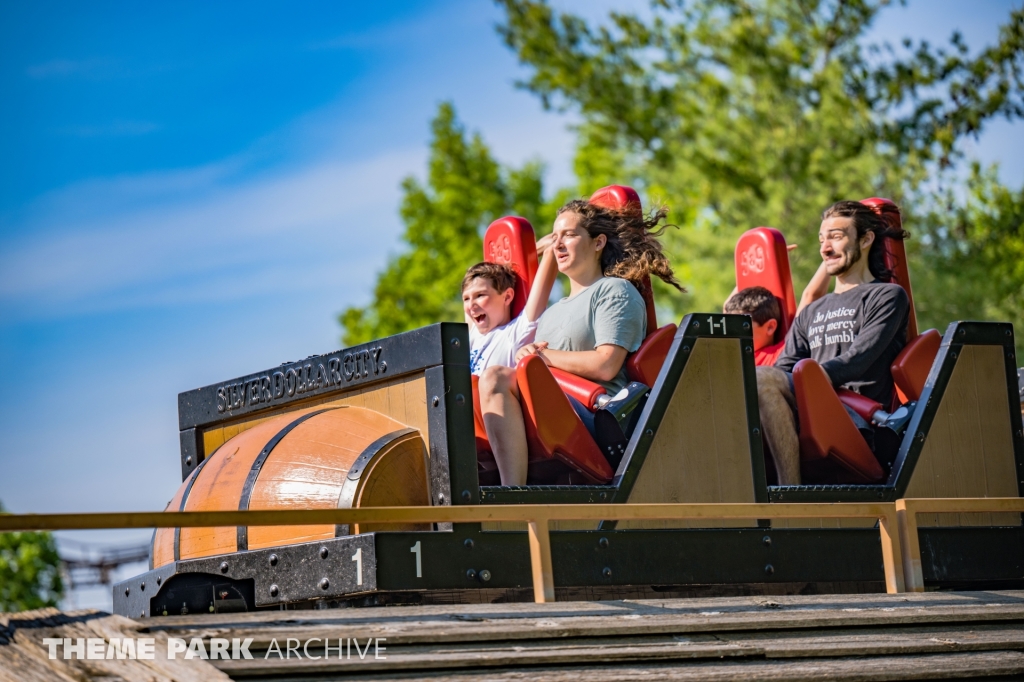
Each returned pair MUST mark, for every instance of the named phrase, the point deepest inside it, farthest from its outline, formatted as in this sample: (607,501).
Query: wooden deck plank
(489,622)
(423,632)
(846,637)
(754,603)
(957,666)
(679,647)
(24,656)
(883,668)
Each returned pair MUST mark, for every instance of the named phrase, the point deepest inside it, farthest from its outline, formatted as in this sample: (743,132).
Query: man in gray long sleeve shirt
(854,333)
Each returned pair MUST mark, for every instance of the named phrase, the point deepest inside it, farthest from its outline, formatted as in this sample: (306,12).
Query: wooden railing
(908,509)
(897,523)
(537,517)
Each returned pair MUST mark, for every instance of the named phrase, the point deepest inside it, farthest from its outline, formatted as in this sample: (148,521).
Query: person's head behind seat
(865,220)
(487,293)
(631,249)
(764,310)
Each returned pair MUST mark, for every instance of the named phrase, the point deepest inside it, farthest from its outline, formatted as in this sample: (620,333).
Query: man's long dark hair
(865,218)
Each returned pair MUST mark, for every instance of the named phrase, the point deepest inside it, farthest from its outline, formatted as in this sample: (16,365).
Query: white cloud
(299,227)
(225,231)
(66,67)
(117,128)
(417,29)
(276,216)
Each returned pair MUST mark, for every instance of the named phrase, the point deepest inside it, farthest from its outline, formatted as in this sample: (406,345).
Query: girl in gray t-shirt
(610,312)
(607,255)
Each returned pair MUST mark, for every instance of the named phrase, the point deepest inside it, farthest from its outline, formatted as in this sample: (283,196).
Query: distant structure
(93,566)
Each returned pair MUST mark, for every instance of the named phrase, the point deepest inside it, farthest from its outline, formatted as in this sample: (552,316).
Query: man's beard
(852,256)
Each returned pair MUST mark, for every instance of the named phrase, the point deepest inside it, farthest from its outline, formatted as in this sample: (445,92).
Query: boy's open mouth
(479,319)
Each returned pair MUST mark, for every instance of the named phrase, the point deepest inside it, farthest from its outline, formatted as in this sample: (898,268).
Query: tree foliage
(466,189)
(974,253)
(761,112)
(737,113)
(29,571)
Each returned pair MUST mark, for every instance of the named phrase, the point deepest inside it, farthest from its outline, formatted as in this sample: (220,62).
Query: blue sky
(193,191)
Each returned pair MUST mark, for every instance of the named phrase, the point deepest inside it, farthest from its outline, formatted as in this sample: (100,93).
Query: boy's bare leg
(503,419)
(778,407)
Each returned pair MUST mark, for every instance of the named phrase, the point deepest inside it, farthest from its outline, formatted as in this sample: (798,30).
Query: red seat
(826,430)
(651,354)
(554,431)
(558,439)
(620,197)
(910,368)
(583,390)
(487,468)
(862,405)
(512,240)
(896,255)
(763,261)
(645,364)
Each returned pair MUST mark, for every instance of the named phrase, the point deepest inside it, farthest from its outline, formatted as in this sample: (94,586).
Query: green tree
(29,571)
(975,252)
(466,189)
(762,112)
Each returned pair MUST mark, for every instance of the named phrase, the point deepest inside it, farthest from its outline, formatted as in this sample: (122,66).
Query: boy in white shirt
(487,293)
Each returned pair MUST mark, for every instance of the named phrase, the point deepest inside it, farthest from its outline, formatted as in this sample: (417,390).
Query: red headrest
(620,197)
(895,254)
(615,196)
(512,240)
(763,261)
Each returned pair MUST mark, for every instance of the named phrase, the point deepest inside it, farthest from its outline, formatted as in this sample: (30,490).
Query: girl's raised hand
(544,243)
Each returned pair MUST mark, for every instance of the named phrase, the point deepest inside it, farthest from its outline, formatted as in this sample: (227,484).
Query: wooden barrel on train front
(315,458)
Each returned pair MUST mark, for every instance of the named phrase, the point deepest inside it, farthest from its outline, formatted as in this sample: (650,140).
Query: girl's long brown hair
(632,251)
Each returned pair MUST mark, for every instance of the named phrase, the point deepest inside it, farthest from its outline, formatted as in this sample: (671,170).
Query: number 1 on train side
(358,558)
(418,551)
(712,324)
